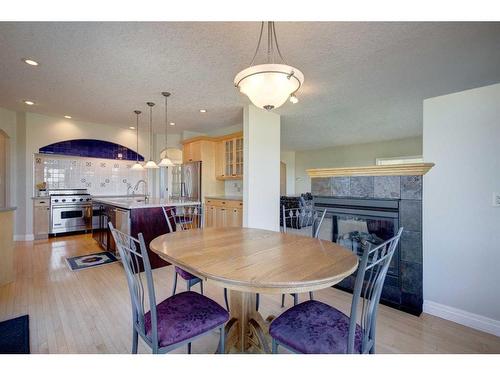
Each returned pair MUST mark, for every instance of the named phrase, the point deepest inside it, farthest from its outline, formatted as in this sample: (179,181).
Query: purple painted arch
(93,148)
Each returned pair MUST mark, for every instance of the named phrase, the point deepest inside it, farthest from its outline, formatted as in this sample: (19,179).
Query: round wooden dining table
(247,261)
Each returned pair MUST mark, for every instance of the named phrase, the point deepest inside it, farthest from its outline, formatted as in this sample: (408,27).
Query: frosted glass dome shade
(150,165)
(137,167)
(269,86)
(165,162)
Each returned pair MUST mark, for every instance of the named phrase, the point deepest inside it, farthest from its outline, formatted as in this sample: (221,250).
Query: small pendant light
(150,164)
(137,166)
(166,162)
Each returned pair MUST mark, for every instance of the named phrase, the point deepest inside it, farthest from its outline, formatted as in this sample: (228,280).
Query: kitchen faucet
(129,187)
(145,187)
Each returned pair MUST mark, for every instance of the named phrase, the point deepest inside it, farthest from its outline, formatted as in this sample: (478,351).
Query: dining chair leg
(188,286)
(225,299)
(282,300)
(295,299)
(311,296)
(189,348)
(257,301)
(135,340)
(222,343)
(275,347)
(175,283)
(201,286)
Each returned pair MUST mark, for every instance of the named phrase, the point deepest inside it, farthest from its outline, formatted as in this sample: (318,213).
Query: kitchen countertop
(130,203)
(226,197)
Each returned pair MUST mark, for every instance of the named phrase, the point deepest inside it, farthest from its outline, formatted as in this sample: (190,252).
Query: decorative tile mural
(91,148)
(98,176)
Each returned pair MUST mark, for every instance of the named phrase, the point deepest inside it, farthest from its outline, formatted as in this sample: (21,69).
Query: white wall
(261,170)
(461,231)
(350,156)
(288,157)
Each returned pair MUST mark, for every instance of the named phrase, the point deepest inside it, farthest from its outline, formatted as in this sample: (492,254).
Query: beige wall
(349,156)
(288,157)
(8,126)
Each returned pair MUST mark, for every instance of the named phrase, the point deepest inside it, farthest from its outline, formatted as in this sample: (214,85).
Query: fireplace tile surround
(407,191)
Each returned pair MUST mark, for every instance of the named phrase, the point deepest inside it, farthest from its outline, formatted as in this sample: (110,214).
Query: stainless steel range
(70,210)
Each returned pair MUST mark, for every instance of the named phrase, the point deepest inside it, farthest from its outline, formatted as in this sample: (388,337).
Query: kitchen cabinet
(221,213)
(192,151)
(230,158)
(41,218)
(148,221)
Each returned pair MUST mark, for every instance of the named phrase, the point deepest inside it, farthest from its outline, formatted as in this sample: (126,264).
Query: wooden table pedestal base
(246,331)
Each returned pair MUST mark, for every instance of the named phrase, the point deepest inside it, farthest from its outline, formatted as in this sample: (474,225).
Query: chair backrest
(133,254)
(300,218)
(370,278)
(184,217)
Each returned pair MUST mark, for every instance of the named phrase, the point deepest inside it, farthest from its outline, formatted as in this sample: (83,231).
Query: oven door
(71,218)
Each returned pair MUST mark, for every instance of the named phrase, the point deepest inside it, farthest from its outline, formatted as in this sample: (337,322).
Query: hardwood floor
(88,311)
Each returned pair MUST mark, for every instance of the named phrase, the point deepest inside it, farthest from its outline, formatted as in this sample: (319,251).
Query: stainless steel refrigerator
(184,181)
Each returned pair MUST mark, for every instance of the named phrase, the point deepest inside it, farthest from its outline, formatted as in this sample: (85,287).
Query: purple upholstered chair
(184,218)
(315,327)
(175,321)
(305,221)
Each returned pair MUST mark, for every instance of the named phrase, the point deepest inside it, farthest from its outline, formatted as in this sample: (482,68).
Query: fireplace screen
(357,233)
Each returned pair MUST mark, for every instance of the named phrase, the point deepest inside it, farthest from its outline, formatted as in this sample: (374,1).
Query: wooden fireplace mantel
(414,169)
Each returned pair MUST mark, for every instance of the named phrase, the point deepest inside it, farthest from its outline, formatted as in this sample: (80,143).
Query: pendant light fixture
(137,166)
(166,162)
(269,85)
(150,164)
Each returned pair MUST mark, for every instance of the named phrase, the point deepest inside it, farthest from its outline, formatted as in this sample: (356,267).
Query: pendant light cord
(166,123)
(272,40)
(137,136)
(137,113)
(150,104)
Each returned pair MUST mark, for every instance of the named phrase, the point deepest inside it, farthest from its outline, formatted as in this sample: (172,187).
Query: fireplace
(357,223)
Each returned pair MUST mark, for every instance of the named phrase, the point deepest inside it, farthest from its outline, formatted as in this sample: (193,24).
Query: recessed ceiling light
(172,123)
(203,110)
(131,127)
(31,62)
(66,116)
(28,102)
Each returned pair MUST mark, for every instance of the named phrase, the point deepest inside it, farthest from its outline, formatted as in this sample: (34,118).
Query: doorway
(282,178)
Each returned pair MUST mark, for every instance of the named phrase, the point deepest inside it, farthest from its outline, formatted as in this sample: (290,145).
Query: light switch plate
(496,199)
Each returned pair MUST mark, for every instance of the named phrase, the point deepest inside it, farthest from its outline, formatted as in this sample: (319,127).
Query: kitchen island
(134,215)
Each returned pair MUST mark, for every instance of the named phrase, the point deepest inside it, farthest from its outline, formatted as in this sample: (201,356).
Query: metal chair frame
(133,252)
(196,219)
(374,263)
(189,217)
(303,217)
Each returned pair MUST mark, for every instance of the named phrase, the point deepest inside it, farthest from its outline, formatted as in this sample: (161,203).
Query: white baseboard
(24,237)
(479,322)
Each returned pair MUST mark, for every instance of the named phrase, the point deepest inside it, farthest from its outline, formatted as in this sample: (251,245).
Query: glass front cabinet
(231,155)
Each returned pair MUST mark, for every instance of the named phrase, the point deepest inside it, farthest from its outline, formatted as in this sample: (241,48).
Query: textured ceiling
(363,81)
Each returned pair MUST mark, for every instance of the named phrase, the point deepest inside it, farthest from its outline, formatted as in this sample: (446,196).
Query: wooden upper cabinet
(223,156)
(230,158)
(192,152)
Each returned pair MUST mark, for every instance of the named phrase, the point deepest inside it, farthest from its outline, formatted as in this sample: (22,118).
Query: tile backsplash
(98,176)
(233,187)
